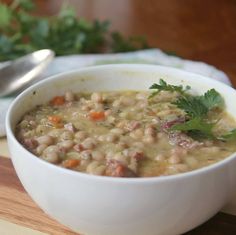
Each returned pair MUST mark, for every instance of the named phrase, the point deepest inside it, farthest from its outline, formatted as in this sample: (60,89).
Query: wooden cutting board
(18,208)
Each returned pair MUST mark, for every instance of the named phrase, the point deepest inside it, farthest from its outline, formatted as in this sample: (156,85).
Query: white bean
(192,162)
(67,144)
(141,96)
(69,96)
(177,168)
(51,157)
(97,97)
(80,135)
(98,155)
(110,154)
(111,137)
(55,133)
(86,155)
(148,139)
(108,112)
(127,101)
(51,149)
(84,163)
(116,103)
(67,135)
(142,104)
(89,143)
(133,165)
(40,148)
(174,159)
(136,134)
(150,131)
(41,129)
(124,114)
(117,131)
(45,139)
(160,157)
(101,138)
(139,145)
(111,119)
(95,168)
(121,158)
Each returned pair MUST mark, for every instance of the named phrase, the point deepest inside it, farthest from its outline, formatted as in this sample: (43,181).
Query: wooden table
(193,29)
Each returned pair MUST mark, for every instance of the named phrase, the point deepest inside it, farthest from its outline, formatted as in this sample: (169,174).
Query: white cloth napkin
(151,56)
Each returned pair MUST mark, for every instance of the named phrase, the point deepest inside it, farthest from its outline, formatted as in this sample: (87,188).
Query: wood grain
(17,207)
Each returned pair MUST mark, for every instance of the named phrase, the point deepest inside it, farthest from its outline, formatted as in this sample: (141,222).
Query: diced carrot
(58,100)
(54,119)
(97,116)
(120,170)
(71,163)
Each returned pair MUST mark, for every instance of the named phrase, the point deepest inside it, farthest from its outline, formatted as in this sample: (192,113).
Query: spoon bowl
(18,73)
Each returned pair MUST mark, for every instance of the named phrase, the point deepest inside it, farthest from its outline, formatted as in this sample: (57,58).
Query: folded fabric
(151,56)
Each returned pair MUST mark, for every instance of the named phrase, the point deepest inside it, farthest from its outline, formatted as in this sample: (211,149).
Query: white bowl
(98,205)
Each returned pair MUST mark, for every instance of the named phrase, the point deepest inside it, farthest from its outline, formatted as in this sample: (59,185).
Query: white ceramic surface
(96,205)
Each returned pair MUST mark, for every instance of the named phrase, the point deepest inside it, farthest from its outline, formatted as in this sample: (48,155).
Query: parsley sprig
(163,86)
(231,135)
(197,108)
(197,128)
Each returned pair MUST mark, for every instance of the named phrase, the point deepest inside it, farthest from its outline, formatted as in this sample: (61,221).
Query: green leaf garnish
(196,128)
(228,136)
(199,106)
(192,106)
(212,99)
(164,86)
(196,109)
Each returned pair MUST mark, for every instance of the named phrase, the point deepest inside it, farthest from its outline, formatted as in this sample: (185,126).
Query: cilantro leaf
(192,106)
(199,106)
(212,99)
(164,86)
(196,128)
(229,136)
(196,109)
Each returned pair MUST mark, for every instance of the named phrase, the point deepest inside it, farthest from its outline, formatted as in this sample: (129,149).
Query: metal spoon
(18,73)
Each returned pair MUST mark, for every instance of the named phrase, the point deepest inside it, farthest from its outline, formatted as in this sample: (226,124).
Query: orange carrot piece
(54,119)
(58,100)
(71,163)
(97,116)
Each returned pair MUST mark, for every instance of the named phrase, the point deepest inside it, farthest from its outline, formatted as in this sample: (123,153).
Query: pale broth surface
(120,134)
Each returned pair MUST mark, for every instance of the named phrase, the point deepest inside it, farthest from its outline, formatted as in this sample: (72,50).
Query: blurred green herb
(22,32)
(163,86)
(231,135)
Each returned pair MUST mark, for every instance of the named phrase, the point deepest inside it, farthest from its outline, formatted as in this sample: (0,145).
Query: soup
(131,133)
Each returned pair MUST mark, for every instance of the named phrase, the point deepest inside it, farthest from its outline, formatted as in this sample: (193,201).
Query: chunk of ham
(70,127)
(117,169)
(132,125)
(30,143)
(137,155)
(182,140)
(168,124)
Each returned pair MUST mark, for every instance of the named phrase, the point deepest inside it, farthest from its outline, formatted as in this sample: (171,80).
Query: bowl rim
(122,180)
